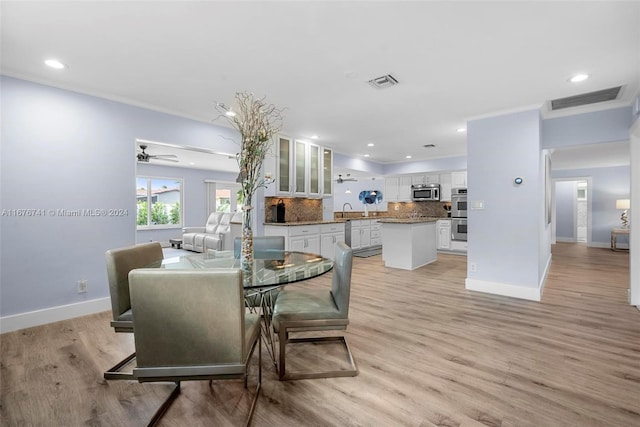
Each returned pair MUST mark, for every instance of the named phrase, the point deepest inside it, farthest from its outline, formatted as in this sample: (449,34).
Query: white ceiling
(455,61)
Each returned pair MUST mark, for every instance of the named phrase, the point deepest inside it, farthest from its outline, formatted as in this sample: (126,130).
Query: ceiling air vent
(586,98)
(383,82)
(429,145)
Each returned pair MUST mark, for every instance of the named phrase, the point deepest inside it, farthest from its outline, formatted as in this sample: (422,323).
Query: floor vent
(586,98)
(383,81)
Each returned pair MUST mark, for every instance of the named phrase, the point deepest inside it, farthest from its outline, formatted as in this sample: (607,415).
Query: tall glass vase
(246,253)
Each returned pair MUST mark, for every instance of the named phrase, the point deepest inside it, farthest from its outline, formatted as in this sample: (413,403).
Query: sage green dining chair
(312,309)
(191,325)
(119,263)
(262,247)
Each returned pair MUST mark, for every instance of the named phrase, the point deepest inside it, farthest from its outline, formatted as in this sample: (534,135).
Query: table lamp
(623,204)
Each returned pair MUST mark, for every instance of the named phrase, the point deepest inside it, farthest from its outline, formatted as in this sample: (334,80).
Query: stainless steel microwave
(428,192)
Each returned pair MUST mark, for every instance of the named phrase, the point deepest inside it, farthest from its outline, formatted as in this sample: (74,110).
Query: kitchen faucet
(343,206)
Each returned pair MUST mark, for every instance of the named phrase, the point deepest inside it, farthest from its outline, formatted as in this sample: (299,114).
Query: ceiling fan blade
(158,156)
(165,159)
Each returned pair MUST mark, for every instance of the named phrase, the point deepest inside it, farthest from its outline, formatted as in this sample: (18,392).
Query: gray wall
(506,240)
(64,150)
(194,196)
(565,210)
(608,184)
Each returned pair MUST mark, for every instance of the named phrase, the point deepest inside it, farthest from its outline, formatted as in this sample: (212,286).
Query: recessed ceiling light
(461,130)
(579,78)
(314,137)
(371,144)
(408,157)
(54,63)
(191,163)
(366,155)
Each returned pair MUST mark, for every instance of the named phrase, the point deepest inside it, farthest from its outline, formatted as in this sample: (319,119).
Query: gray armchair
(191,325)
(298,310)
(119,263)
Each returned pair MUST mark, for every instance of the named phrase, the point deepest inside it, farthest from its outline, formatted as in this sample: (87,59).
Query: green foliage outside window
(159,214)
(175,213)
(142,213)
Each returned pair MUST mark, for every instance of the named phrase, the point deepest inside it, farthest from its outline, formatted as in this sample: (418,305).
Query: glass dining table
(271,269)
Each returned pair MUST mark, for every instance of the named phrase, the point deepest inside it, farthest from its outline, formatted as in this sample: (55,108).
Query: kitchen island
(408,243)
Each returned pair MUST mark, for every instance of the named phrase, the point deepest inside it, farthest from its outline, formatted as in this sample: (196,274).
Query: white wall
(340,197)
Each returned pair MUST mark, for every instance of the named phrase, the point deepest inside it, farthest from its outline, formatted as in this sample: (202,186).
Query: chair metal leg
(284,339)
(257,392)
(165,405)
(115,374)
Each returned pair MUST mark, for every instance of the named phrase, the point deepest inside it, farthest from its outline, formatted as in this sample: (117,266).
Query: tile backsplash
(430,209)
(296,209)
(301,209)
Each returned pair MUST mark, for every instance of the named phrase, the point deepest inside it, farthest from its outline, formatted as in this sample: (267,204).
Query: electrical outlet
(473,267)
(82,286)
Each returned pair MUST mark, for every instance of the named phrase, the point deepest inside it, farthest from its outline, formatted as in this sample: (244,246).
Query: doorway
(572,210)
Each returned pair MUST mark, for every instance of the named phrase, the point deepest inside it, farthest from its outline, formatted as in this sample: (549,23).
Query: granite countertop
(320,221)
(381,219)
(408,220)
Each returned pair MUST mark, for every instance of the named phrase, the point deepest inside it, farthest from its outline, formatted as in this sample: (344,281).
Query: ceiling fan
(340,180)
(145,157)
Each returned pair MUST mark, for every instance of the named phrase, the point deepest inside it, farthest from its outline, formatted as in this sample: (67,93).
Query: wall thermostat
(518,180)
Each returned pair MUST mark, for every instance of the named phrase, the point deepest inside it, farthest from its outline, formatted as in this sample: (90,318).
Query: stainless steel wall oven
(459,214)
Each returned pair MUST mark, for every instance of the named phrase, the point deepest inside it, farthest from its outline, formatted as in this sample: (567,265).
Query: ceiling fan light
(230,113)
(347,191)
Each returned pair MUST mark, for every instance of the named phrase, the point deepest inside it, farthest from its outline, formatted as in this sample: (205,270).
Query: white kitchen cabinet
(326,171)
(432,179)
(314,238)
(310,244)
(376,233)
(365,235)
(424,179)
(391,189)
(304,238)
(278,165)
(404,188)
(330,235)
(417,179)
(459,179)
(302,169)
(361,233)
(443,234)
(314,176)
(445,187)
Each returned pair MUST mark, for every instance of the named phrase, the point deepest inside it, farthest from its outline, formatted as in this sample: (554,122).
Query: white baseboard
(504,289)
(545,274)
(53,314)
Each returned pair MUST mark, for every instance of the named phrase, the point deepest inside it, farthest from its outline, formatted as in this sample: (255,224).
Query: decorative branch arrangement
(257,122)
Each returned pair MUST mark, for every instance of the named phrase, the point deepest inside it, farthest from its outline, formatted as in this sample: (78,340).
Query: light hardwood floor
(430,353)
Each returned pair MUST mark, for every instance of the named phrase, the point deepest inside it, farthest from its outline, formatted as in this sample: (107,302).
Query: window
(159,202)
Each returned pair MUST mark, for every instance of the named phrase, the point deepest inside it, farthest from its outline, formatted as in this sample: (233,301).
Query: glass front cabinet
(302,169)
